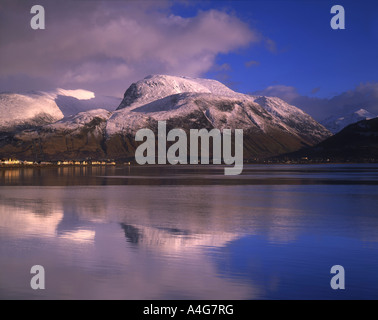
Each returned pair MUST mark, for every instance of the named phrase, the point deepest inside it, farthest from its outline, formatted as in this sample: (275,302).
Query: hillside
(357,142)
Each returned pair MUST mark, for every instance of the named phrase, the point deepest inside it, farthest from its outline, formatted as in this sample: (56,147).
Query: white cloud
(78,94)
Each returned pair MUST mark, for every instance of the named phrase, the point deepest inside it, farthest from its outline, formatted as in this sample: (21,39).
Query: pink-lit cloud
(103,46)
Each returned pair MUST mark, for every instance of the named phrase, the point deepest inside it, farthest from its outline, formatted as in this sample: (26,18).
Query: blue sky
(309,54)
(279,48)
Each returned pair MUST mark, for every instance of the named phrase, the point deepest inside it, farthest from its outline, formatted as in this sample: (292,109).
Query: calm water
(189,232)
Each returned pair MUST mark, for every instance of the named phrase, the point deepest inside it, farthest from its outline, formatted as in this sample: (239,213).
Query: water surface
(189,232)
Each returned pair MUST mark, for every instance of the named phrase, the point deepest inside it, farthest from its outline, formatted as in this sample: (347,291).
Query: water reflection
(182,241)
(79,234)
(173,240)
(191,175)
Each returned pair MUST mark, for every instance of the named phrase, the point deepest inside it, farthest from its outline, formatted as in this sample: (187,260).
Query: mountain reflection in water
(124,233)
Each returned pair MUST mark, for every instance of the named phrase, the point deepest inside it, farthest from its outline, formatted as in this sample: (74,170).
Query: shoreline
(131,164)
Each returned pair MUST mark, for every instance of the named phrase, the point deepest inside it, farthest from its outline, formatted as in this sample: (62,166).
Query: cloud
(104,46)
(270,45)
(78,94)
(286,93)
(222,67)
(252,63)
(365,96)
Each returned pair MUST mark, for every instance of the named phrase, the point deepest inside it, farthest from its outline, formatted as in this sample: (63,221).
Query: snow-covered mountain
(271,126)
(41,108)
(336,123)
(78,121)
(293,118)
(75,137)
(156,87)
(162,97)
(27,110)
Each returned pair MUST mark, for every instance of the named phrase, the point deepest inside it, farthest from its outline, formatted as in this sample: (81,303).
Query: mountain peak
(364,113)
(336,123)
(158,86)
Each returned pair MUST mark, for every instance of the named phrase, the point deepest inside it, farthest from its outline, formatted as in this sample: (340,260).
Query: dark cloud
(363,96)
(103,46)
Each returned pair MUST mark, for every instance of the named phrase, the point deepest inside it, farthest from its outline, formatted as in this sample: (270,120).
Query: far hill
(357,142)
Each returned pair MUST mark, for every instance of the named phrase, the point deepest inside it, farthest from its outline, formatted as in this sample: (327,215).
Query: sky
(281,48)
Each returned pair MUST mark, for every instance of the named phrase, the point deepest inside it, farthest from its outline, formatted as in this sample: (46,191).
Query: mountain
(27,110)
(165,97)
(155,87)
(336,123)
(76,137)
(271,126)
(357,142)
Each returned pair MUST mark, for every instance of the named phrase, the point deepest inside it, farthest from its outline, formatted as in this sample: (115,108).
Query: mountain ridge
(357,142)
(336,123)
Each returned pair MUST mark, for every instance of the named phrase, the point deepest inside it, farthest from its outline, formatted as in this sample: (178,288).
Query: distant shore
(65,164)
(28,164)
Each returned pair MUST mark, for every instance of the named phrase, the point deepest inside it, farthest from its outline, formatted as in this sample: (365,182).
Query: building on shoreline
(15,162)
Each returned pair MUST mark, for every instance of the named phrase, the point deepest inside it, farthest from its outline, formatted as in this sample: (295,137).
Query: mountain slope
(77,137)
(20,110)
(293,119)
(336,123)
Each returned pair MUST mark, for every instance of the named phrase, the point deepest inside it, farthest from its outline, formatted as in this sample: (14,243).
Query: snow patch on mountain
(291,118)
(220,111)
(80,120)
(94,121)
(155,87)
